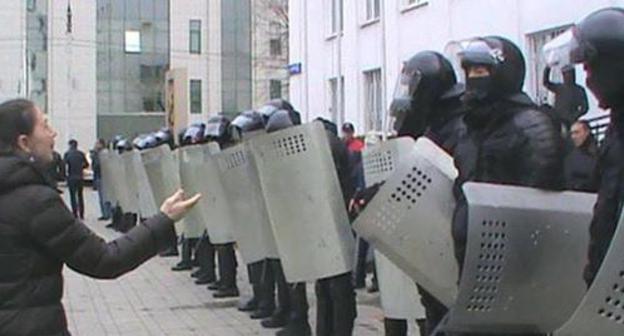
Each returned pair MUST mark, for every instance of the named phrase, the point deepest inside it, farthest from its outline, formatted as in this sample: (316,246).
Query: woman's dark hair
(17,117)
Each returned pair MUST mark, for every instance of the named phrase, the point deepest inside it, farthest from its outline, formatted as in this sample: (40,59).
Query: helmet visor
(567,49)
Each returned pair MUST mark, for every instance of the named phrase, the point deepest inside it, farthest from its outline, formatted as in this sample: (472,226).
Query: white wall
(181,12)
(12,49)
(71,73)
(428,27)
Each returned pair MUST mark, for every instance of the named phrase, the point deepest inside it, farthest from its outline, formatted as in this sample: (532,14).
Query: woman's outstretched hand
(176,207)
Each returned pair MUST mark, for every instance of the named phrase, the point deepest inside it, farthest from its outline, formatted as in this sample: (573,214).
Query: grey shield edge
(308,216)
(214,210)
(108,182)
(398,292)
(162,172)
(602,310)
(524,260)
(147,206)
(250,218)
(123,192)
(409,220)
(131,185)
(189,178)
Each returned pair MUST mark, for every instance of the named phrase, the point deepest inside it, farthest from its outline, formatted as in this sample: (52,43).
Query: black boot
(185,263)
(205,279)
(205,255)
(296,328)
(278,319)
(394,327)
(226,292)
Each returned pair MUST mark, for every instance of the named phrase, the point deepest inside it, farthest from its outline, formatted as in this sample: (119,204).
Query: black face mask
(477,89)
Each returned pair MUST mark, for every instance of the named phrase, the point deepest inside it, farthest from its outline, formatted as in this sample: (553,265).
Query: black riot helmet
(598,43)
(218,129)
(275,105)
(123,145)
(138,141)
(194,134)
(329,125)
(504,63)
(279,120)
(248,121)
(164,136)
(426,78)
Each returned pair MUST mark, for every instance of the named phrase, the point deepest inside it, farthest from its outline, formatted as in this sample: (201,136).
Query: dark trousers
(360,266)
(188,247)
(76,197)
(105,207)
(395,327)
(273,279)
(205,254)
(336,308)
(227,265)
(434,310)
(299,304)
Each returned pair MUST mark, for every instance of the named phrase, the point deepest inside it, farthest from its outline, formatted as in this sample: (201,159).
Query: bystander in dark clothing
(580,163)
(570,98)
(56,169)
(76,162)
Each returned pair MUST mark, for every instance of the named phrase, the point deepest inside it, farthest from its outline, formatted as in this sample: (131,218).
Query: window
(276,47)
(196,96)
(336,16)
(133,41)
(195,37)
(373,8)
(336,110)
(372,100)
(275,89)
(537,64)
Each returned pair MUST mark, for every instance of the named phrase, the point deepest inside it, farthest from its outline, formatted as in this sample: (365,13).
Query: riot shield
(214,210)
(108,183)
(409,220)
(120,181)
(163,175)
(602,310)
(190,177)
(399,295)
(398,292)
(147,205)
(250,219)
(304,201)
(524,259)
(131,183)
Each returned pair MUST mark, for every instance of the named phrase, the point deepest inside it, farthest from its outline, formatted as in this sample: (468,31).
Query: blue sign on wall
(294,69)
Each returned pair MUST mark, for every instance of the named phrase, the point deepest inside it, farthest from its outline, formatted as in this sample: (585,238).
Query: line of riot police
(467,202)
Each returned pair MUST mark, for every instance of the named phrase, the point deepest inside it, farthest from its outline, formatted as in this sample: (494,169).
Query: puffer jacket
(39,235)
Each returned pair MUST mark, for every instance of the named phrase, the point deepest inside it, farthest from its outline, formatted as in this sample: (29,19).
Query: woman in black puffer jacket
(39,235)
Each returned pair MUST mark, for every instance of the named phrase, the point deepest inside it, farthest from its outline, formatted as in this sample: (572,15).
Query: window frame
(195,96)
(128,47)
(195,32)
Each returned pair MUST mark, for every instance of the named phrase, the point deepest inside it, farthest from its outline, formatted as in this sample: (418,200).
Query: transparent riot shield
(409,220)
(190,178)
(399,295)
(123,192)
(163,174)
(250,219)
(524,260)
(108,182)
(602,310)
(214,210)
(304,201)
(131,182)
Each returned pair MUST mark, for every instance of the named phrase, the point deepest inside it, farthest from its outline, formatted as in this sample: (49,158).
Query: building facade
(102,67)
(349,63)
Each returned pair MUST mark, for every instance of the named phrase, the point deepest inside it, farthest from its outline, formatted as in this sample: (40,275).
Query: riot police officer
(507,140)
(292,312)
(262,303)
(218,130)
(427,102)
(598,43)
